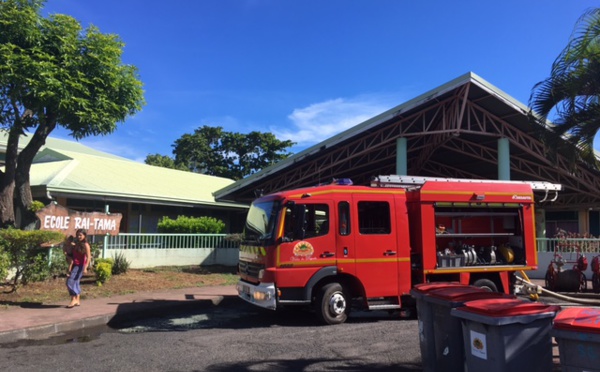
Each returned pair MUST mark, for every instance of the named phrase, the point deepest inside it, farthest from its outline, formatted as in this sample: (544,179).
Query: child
(68,250)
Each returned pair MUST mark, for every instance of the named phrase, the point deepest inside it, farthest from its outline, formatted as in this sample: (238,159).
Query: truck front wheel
(332,305)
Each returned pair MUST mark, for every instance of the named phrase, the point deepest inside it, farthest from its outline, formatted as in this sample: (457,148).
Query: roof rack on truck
(417,182)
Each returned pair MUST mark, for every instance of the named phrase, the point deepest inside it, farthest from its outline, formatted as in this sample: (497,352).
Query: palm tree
(572,93)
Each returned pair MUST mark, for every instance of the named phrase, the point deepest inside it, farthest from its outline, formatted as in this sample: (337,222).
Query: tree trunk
(23,197)
(7,181)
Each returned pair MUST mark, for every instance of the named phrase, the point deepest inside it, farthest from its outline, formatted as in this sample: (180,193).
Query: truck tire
(486,284)
(332,305)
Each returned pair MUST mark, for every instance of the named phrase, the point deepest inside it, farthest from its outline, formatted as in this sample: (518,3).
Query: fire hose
(532,289)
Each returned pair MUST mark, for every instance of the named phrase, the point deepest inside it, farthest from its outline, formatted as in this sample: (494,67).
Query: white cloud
(320,121)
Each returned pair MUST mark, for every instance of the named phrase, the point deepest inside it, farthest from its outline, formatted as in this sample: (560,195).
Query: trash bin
(507,335)
(425,319)
(577,332)
(448,345)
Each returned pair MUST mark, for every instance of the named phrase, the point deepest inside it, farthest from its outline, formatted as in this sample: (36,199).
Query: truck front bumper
(262,295)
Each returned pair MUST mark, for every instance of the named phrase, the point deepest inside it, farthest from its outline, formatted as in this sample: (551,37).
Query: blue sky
(306,70)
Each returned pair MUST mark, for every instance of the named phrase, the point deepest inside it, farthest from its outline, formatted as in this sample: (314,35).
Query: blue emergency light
(342,181)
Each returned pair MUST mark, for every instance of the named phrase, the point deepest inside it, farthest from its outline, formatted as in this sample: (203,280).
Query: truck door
(375,245)
(307,243)
(346,253)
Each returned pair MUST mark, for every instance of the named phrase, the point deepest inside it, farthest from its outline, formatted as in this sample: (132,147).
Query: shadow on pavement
(225,312)
(29,305)
(348,365)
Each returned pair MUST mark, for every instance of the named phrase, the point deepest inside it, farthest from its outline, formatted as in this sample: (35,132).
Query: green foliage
(4,264)
(103,271)
(98,261)
(58,263)
(120,265)
(95,251)
(211,150)
(36,205)
(53,72)
(191,225)
(572,92)
(26,255)
(164,161)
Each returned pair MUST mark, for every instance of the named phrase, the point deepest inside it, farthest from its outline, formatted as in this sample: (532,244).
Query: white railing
(151,250)
(167,241)
(568,245)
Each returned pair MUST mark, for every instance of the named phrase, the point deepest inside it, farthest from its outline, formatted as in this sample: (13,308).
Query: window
(374,217)
(344,216)
(316,220)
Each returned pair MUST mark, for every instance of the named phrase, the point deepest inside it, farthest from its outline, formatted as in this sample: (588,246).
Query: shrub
(95,251)
(4,264)
(103,272)
(190,225)
(121,265)
(58,263)
(98,261)
(25,253)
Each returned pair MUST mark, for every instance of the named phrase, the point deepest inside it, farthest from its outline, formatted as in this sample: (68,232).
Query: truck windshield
(260,223)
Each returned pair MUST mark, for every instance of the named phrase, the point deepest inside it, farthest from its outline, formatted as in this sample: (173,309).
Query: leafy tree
(164,161)
(211,150)
(572,93)
(53,72)
(26,255)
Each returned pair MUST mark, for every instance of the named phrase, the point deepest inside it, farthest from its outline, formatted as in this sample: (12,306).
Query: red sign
(55,217)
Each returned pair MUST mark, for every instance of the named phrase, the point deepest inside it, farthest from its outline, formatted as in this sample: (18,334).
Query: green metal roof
(69,169)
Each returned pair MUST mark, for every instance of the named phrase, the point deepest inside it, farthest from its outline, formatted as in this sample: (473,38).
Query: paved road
(226,337)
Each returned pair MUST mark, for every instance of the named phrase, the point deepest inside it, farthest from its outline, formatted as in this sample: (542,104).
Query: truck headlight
(262,296)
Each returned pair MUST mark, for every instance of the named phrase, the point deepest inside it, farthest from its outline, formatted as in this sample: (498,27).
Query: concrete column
(584,221)
(503,159)
(401,157)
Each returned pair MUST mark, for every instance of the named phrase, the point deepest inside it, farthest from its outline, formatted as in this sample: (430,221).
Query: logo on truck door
(303,249)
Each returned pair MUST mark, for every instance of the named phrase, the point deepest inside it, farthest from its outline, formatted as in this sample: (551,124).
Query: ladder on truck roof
(417,182)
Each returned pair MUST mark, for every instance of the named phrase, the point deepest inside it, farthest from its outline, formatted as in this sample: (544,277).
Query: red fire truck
(339,246)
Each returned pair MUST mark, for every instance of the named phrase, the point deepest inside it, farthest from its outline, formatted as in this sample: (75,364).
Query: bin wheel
(582,282)
(332,304)
(596,283)
(486,284)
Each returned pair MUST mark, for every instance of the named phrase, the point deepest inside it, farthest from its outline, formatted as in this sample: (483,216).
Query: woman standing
(81,261)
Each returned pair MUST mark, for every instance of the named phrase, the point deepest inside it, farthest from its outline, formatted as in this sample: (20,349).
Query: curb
(42,332)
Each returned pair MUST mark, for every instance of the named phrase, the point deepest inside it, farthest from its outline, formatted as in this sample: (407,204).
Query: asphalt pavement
(38,321)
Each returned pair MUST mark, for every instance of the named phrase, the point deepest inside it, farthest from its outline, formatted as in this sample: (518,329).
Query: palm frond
(572,94)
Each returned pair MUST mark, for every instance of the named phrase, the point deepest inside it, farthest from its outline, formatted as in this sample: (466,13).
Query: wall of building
(145,258)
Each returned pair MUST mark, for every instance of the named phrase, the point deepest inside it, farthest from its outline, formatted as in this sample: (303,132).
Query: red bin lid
(427,287)
(507,307)
(466,293)
(581,319)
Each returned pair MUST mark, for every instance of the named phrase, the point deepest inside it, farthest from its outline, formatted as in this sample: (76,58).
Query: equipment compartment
(480,234)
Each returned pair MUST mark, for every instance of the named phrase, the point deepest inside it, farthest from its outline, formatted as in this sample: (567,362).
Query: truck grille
(250,269)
